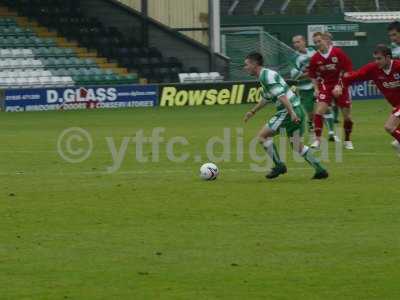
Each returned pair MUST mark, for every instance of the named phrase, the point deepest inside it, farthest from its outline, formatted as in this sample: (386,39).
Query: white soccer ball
(209,171)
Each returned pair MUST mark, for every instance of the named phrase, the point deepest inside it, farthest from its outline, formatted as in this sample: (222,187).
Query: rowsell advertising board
(227,93)
(223,93)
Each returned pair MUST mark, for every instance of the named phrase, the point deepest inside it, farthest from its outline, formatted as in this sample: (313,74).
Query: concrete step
(107,65)
(101,60)
(120,71)
(6,12)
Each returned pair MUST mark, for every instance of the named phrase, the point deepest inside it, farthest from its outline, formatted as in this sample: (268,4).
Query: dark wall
(171,43)
(284,27)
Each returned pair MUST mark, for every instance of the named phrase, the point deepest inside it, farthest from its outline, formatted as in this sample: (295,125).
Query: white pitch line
(161,172)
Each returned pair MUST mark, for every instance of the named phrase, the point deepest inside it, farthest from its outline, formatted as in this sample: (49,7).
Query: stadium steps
(6,12)
(81,52)
(63,42)
(22,67)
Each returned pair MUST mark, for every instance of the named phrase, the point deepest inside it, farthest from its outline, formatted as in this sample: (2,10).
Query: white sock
(304,151)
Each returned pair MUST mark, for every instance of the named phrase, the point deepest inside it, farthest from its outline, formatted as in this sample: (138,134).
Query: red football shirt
(328,68)
(388,81)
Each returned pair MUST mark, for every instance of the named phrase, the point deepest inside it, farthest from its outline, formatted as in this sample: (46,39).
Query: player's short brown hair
(318,33)
(383,49)
(394,26)
(299,36)
(327,35)
(256,57)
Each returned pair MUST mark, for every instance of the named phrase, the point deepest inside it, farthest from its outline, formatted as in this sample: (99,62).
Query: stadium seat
(81,79)
(67,81)
(56,81)
(5,53)
(200,77)
(44,73)
(5,63)
(9,73)
(21,81)
(60,72)
(11,82)
(34,82)
(215,76)
(45,81)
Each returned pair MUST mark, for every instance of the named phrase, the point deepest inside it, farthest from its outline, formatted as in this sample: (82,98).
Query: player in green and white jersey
(394,35)
(299,72)
(305,86)
(289,115)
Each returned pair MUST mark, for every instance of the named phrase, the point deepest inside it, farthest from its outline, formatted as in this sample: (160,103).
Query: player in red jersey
(385,72)
(326,69)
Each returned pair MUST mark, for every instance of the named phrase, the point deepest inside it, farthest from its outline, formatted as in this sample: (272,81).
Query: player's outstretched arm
(316,87)
(285,101)
(297,74)
(251,113)
(364,73)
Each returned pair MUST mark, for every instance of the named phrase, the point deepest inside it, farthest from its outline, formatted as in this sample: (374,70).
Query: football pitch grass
(156,231)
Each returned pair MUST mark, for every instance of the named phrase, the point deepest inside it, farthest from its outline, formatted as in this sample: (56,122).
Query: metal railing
(257,7)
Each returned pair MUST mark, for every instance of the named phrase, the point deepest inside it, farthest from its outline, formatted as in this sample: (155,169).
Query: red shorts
(396,111)
(325,95)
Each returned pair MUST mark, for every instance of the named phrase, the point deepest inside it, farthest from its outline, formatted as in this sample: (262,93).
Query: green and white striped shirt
(302,61)
(395,50)
(274,86)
